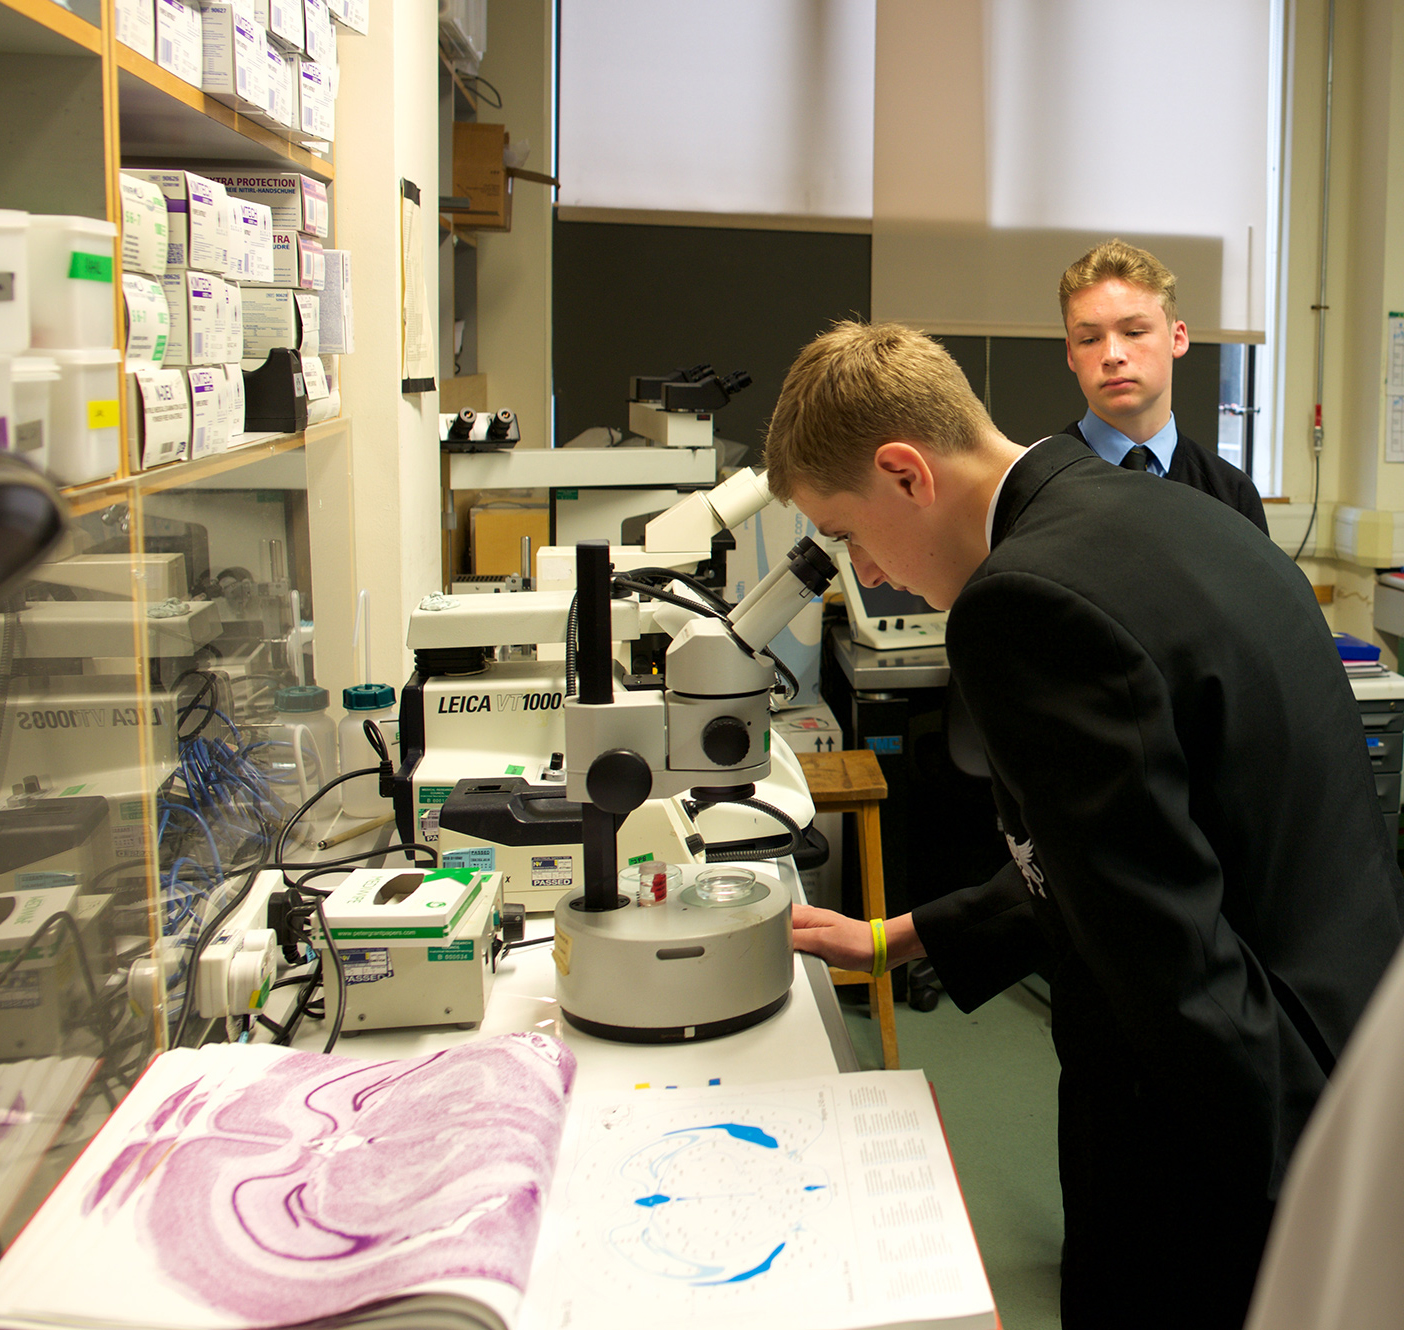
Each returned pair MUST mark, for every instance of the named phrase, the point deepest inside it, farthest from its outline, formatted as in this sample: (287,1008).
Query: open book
(251,1186)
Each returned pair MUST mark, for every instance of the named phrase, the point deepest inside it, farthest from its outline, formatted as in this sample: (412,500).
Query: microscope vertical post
(595,672)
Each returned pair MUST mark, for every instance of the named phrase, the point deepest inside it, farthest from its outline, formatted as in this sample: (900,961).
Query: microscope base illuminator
(682,970)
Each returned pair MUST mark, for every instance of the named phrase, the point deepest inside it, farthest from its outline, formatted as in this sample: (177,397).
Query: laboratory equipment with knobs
(714,956)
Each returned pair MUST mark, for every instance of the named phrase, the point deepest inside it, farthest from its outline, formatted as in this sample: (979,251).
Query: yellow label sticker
(103,415)
(560,953)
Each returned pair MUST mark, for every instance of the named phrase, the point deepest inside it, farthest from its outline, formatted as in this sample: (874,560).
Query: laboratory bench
(936,816)
(806,1037)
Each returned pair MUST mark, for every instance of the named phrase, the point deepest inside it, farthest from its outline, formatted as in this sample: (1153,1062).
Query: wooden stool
(852,782)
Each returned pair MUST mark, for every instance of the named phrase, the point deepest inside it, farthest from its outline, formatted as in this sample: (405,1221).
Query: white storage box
(233,323)
(14,282)
(316,103)
(235,376)
(197,219)
(282,88)
(145,237)
(235,67)
(298,261)
(279,317)
(338,326)
(160,416)
(136,26)
(206,384)
(351,14)
(254,224)
(297,202)
(317,32)
(148,320)
(86,414)
(32,380)
(283,20)
(321,404)
(179,39)
(196,304)
(70,281)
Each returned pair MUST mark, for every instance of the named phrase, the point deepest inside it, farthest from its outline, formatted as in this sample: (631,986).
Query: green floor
(996,1078)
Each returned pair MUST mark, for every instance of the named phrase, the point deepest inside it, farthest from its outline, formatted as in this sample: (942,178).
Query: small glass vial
(649,882)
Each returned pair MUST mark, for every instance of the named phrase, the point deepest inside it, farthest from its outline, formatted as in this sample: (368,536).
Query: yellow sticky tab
(103,415)
(560,953)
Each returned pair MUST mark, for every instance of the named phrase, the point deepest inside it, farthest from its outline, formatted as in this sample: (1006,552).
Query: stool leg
(875,907)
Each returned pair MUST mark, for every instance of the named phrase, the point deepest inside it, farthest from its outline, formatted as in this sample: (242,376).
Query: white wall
(387,129)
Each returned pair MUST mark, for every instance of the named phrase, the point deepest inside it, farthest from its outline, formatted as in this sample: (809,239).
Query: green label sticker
(459,951)
(480,858)
(129,810)
(435,794)
(514,770)
(90,267)
(567,494)
(640,859)
(72,789)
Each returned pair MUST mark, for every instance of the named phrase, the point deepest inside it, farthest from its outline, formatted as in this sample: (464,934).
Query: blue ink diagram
(701,1205)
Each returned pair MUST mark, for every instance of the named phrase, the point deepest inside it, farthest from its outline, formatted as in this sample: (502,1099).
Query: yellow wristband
(879,947)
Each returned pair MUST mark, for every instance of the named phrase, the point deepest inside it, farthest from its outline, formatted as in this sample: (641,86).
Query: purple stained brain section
(331,1182)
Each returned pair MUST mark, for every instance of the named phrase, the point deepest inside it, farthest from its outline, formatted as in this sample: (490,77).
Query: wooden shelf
(41,27)
(177,475)
(167,119)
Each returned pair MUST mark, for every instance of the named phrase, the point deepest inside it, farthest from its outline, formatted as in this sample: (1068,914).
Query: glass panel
(77,998)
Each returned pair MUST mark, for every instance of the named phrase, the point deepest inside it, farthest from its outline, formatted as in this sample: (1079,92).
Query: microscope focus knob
(618,781)
(726,740)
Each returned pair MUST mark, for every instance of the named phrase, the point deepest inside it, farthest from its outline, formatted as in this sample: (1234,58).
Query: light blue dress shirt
(1110,444)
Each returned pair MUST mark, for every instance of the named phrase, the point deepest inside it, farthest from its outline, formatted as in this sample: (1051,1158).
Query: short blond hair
(1115,259)
(856,387)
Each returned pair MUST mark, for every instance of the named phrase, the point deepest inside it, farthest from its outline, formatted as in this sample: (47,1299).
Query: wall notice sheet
(827,1204)
(417,341)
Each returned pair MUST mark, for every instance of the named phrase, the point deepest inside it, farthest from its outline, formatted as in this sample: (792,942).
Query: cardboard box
(235,375)
(480,175)
(180,39)
(279,317)
(281,108)
(145,238)
(198,321)
(497,537)
(234,68)
(197,219)
(148,320)
(337,320)
(206,434)
(283,21)
(317,32)
(160,416)
(316,103)
(250,242)
(296,202)
(136,26)
(354,15)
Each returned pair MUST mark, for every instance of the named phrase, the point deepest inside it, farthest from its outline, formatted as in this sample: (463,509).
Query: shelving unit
(75,107)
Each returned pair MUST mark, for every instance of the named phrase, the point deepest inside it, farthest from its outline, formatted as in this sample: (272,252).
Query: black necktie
(1137,459)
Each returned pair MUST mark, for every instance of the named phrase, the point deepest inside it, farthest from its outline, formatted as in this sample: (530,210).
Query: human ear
(907,466)
(1179,338)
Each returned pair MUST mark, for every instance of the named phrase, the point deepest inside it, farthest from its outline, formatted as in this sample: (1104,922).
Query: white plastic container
(86,438)
(70,281)
(32,380)
(14,282)
(366,701)
(305,748)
